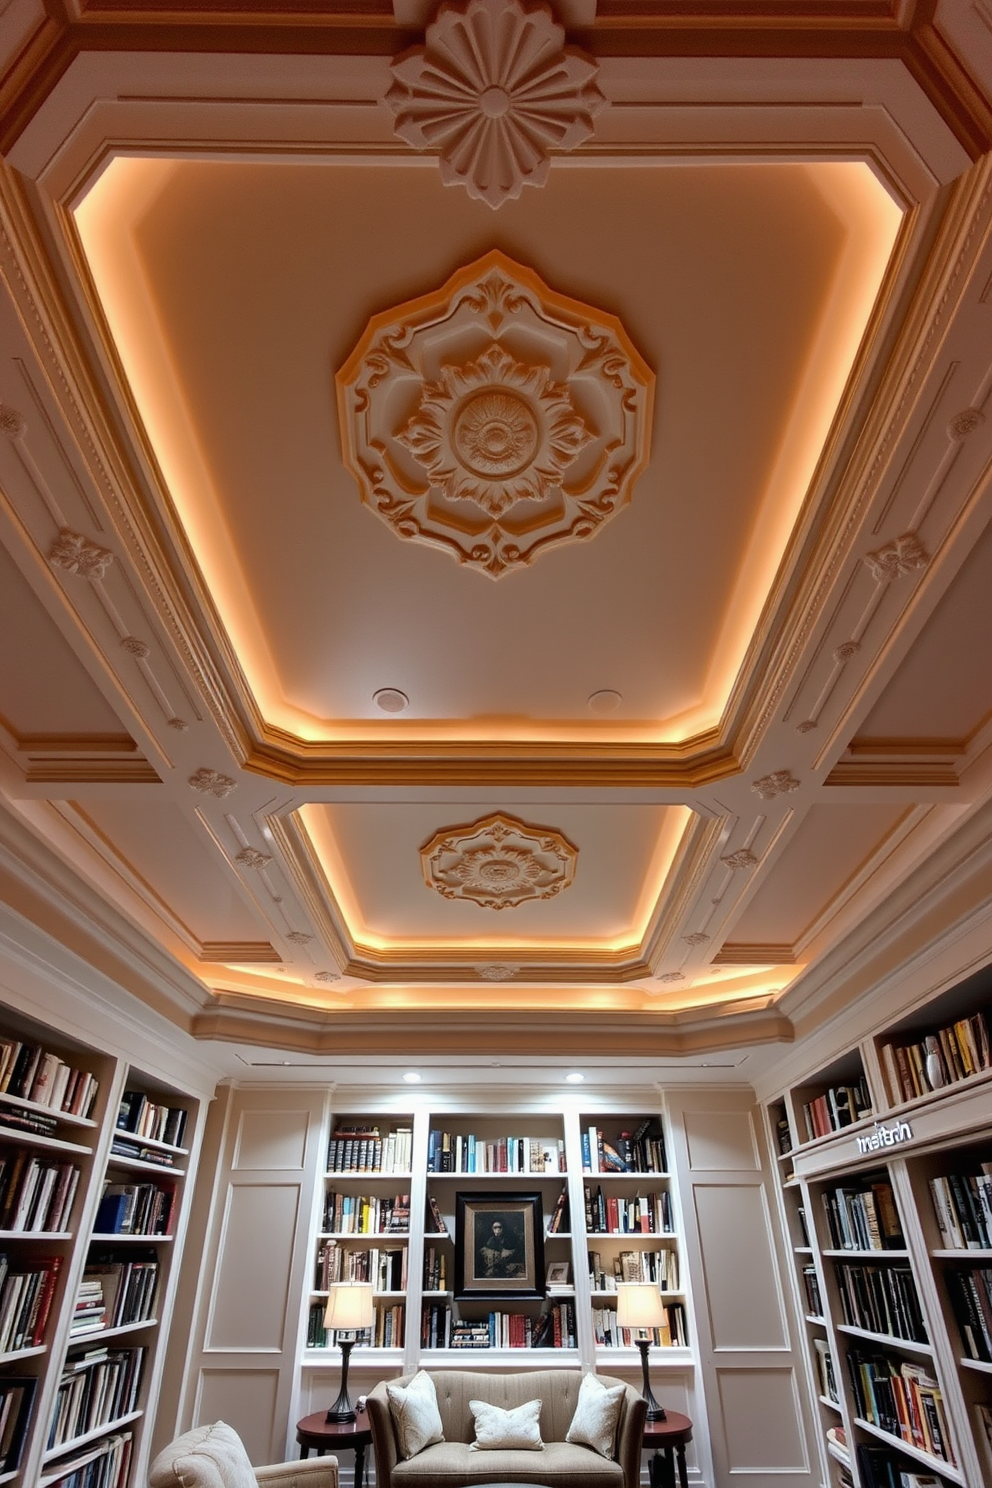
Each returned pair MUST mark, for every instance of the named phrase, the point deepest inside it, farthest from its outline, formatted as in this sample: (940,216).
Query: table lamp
(349,1309)
(640,1308)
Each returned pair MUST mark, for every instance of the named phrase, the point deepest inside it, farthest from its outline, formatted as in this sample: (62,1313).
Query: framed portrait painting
(499,1246)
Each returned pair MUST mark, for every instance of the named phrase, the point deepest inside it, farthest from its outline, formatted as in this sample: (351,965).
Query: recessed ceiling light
(411,1077)
(604,701)
(390,700)
(574,1078)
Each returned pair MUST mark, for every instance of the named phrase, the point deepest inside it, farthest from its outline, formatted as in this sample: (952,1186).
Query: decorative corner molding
(212,783)
(671,977)
(498,862)
(299,937)
(530,424)
(901,556)
(737,861)
(497,973)
(965,423)
(11,422)
(327,976)
(495,91)
(846,650)
(134,647)
(77,555)
(778,783)
(250,857)
(806,727)
(179,724)
(696,938)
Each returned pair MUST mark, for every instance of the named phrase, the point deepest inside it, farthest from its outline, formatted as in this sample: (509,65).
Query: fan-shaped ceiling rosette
(495,92)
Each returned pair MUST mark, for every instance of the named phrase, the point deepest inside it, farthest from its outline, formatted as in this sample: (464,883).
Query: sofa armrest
(310,1472)
(383,1435)
(630,1436)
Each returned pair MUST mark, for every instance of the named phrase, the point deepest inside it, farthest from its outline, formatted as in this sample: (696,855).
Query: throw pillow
(415,1414)
(496,1428)
(597,1412)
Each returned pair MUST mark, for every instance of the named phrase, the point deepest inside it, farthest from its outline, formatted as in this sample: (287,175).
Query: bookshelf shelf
(934,1464)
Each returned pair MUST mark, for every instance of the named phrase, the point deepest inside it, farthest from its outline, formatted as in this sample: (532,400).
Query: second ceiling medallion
(495,418)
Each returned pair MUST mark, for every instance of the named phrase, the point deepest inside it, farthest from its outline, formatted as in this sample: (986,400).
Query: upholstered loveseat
(453,1462)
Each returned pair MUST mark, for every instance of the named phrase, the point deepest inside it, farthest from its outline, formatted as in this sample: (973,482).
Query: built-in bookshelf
(92,1175)
(630,1228)
(363,1228)
(889,1218)
(587,1226)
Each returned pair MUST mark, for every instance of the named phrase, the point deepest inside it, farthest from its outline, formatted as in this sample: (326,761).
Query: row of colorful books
(949,1054)
(387,1331)
(366,1214)
(153,1120)
(963,1205)
(458,1152)
(36,1194)
(971,1298)
(836,1108)
(609,1335)
(435,1269)
(116,1291)
(95,1389)
(614,1214)
(17,1394)
(33,1073)
(105,1464)
(863,1216)
(362,1149)
(658,1266)
(901,1398)
(639,1151)
(881,1299)
(385,1269)
(135,1209)
(27,1288)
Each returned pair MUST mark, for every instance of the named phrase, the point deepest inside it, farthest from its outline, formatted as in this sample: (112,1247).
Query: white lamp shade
(349,1307)
(639,1305)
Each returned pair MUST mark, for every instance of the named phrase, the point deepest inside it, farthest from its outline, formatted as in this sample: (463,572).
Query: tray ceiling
(715,732)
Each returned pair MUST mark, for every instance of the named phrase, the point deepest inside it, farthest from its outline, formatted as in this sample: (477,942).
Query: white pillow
(597,1412)
(495,1428)
(415,1414)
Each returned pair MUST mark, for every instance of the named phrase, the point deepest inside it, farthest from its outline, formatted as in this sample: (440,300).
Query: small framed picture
(499,1246)
(557,1273)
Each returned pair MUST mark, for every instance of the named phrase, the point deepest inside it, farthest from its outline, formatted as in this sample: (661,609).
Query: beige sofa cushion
(519,1428)
(453,1463)
(206,1457)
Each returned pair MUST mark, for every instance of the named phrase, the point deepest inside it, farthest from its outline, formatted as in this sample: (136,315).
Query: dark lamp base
(656,1412)
(342,1410)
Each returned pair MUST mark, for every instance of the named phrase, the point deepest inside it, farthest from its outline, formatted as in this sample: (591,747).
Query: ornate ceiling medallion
(494,91)
(495,418)
(498,862)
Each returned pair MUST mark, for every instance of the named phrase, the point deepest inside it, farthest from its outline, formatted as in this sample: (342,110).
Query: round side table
(315,1433)
(668,1438)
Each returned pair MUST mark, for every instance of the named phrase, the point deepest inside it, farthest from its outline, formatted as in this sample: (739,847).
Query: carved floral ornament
(495,418)
(494,91)
(498,862)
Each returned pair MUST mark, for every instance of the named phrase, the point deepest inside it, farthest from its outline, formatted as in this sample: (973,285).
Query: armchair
(215,1457)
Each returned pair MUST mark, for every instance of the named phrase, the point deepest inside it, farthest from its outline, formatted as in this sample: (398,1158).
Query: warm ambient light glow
(108,219)
(411,1077)
(350,1307)
(574,1078)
